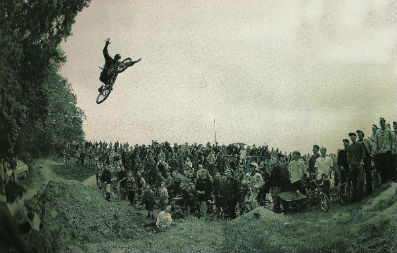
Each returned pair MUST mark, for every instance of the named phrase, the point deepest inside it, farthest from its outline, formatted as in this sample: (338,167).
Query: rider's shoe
(100,89)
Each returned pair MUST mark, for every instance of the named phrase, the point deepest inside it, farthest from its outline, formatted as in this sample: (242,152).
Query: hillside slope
(367,226)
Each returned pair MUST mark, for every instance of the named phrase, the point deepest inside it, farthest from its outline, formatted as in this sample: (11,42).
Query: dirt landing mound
(76,217)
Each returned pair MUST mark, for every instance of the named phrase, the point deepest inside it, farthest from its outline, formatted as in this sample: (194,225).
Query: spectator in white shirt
(297,172)
(324,166)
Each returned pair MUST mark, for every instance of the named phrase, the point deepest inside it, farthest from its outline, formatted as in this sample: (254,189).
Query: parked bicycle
(318,196)
(342,193)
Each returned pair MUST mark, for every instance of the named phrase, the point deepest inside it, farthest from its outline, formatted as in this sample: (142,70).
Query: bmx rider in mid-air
(110,70)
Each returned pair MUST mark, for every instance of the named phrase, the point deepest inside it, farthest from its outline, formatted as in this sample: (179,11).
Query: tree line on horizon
(38,112)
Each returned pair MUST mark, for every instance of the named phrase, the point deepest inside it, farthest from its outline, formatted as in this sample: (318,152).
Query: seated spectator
(164,219)
(9,233)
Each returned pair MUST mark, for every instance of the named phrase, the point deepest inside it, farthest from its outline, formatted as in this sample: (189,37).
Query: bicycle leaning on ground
(342,192)
(318,196)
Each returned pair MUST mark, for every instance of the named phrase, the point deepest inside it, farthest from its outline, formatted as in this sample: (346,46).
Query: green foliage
(30,33)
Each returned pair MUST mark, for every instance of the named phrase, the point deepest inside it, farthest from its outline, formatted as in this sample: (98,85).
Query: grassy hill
(368,226)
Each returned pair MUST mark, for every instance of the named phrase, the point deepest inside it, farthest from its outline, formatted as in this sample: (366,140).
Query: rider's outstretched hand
(107,41)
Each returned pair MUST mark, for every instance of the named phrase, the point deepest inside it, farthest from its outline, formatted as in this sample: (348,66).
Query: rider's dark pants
(104,76)
(357,179)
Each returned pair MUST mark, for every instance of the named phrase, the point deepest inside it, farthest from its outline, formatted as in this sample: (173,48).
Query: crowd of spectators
(205,179)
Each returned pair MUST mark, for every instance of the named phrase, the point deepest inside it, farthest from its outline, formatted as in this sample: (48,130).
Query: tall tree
(30,33)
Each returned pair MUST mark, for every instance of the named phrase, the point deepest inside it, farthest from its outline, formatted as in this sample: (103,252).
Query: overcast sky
(288,73)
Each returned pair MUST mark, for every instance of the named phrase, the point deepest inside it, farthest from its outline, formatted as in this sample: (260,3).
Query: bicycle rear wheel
(102,96)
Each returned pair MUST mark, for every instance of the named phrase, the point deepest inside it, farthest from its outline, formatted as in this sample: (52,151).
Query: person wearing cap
(343,164)
(355,157)
(297,172)
(383,151)
(324,166)
(367,160)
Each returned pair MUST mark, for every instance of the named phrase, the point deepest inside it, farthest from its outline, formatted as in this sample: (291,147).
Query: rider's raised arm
(106,53)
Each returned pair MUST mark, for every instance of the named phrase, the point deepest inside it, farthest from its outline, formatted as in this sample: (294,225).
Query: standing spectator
(3,176)
(384,149)
(367,160)
(90,156)
(13,167)
(355,157)
(124,158)
(148,200)
(376,172)
(296,170)
(163,196)
(394,163)
(312,161)
(131,188)
(343,164)
(204,189)
(82,156)
(324,166)
(106,178)
(372,138)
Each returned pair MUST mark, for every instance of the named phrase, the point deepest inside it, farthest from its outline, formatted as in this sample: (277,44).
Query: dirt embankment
(74,215)
(366,226)
(77,218)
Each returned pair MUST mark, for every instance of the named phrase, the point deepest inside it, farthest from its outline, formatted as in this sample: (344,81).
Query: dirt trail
(40,175)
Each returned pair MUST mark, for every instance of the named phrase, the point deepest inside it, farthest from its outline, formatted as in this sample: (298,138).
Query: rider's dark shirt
(110,63)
